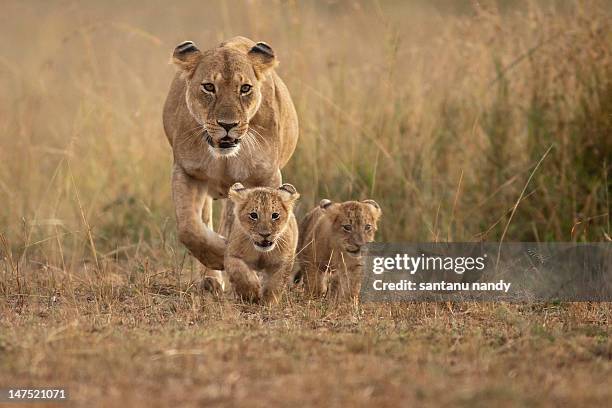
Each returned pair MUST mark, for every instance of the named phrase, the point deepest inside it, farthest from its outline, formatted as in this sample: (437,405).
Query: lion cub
(261,245)
(331,239)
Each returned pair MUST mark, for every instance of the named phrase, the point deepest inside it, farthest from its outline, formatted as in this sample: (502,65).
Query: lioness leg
(216,281)
(207,212)
(227,218)
(213,280)
(190,197)
(245,281)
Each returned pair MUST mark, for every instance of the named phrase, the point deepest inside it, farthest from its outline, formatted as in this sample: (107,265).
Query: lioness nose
(227,126)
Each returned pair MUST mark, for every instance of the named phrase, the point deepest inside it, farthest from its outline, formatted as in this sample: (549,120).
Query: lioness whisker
(259,136)
(252,141)
(248,141)
(189,136)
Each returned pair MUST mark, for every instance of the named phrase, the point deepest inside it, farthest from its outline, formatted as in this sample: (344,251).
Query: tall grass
(438,110)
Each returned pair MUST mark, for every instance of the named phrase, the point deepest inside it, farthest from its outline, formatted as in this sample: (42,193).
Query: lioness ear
(236,192)
(375,205)
(263,59)
(186,56)
(325,203)
(289,192)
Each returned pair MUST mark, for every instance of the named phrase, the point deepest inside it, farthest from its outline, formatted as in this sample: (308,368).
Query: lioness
(229,118)
(329,252)
(261,246)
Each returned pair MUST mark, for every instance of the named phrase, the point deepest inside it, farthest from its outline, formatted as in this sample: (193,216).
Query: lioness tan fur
(229,118)
(261,247)
(330,247)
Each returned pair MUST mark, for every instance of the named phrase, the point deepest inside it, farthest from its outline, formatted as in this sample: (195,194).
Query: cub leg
(245,281)
(315,280)
(356,281)
(275,282)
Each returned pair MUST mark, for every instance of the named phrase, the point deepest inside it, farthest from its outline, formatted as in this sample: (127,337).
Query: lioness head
(263,213)
(223,90)
(353,224)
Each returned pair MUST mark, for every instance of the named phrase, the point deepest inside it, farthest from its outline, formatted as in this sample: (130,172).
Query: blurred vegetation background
(466,120)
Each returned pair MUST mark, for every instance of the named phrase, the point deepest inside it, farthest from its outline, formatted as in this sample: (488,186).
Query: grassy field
(163,345)
(438,110)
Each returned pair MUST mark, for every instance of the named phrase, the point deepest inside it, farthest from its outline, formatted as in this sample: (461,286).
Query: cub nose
(227,126)
(357,244)
(265,234)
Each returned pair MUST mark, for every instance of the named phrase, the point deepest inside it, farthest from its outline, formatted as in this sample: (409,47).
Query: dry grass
(155,342)
(438,110)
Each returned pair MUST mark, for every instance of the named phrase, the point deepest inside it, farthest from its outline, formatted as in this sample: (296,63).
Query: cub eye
(253,215)
(245,89)
(368,227)
(208,87)
(347,227)
(275,216)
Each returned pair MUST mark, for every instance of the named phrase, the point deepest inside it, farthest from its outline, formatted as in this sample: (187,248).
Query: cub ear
(186,57)
(237,192)
(263,59)
(289,192)
(375,205)
(325,203)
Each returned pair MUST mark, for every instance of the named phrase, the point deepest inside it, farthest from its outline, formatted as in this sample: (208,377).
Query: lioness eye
(275,216)
(253,215)
(347,227)
(244,89)
(208,87)
(368,227)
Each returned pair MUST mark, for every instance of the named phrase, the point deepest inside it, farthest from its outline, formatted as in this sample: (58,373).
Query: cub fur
(330,249)
(261,246)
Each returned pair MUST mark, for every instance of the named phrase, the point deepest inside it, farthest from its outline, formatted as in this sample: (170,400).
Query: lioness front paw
(212,285)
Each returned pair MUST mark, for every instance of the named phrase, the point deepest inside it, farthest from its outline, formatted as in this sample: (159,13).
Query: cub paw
(250,291)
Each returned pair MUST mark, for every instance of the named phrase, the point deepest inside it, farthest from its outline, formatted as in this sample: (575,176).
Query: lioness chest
(221,173)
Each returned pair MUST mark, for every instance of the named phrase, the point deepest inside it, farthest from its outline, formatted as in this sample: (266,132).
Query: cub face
(353,224)
(263,213)
(223,90)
